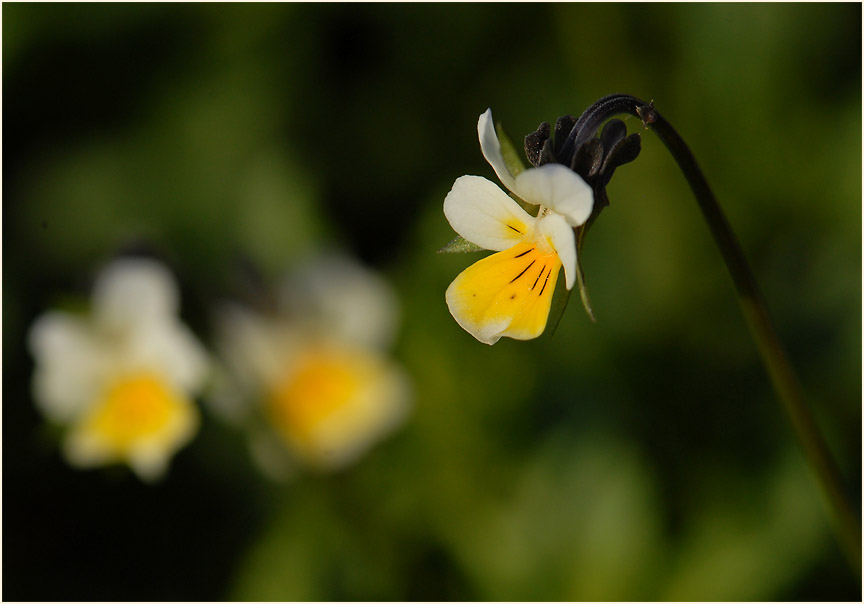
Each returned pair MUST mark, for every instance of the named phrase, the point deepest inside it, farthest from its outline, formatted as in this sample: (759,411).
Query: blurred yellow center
(134,408)
(322,383)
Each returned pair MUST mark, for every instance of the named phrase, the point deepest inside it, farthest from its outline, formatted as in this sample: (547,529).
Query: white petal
(485,215)
(133,290)
(84,452)
(491,147)
(254,352)
(70,364)
(563,240)
(170,348)
(149,465)
(558,188)
(348,300)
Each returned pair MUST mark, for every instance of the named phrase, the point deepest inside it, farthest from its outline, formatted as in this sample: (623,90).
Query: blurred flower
(509,293)
(311,381)
(121,380)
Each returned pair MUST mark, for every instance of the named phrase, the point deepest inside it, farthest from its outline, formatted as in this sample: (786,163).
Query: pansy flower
(311,380)
(510,292)
(120,381)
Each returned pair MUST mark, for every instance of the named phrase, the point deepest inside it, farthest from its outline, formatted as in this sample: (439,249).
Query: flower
(312,381)
(509,293)
(121,380)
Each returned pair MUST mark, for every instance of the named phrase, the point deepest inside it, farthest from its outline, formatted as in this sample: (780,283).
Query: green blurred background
(642,457)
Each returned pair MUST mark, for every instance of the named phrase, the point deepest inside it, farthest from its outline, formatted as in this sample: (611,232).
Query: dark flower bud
(593,158)
(534,143)
(576,144)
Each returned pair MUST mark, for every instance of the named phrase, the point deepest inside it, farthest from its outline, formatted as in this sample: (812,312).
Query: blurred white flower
(313,382)
(121,380)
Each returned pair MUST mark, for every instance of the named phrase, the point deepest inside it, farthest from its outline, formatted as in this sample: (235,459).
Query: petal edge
(491,148)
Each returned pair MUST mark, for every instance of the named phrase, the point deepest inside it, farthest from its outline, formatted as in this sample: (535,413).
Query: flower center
(321,384)
(135,408)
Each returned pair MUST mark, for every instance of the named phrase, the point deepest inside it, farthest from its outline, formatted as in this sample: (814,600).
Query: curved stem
(755,311)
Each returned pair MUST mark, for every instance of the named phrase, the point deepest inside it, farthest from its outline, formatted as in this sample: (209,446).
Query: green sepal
(530,209)
(514,165)
(562,295)
(556,310)
(460,245)
(508,151)
(580,273)
(583,291)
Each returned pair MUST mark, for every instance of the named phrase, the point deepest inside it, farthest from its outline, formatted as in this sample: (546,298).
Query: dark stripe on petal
(523,271)
(544,283)
(538,277)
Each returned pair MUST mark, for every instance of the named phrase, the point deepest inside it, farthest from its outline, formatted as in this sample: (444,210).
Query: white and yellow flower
(313,381)
(509,293)
(121,381)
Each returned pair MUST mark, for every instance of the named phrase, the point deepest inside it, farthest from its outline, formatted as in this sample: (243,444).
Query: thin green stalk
(755,310)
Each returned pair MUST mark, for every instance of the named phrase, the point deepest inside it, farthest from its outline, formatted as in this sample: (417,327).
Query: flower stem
(755,310)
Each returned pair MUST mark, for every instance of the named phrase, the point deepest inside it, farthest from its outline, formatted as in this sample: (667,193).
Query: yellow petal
(506,294)
(141,420)
(335,402)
